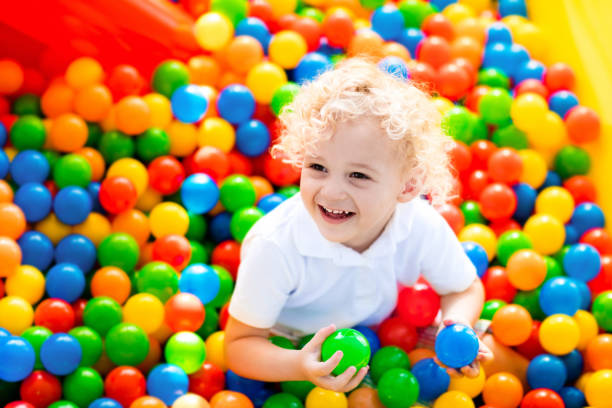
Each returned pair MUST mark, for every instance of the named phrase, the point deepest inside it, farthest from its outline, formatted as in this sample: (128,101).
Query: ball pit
(126,192)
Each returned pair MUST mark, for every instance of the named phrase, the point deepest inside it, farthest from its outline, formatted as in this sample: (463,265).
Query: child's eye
(316,167)
(359,175)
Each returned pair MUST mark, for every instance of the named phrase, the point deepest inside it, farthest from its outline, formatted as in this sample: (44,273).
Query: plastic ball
(35,201)
(546,233)
(91,344)
(511,325)
(145,311)
(310,67)
(172,249)
(252,138)
(184,312)
(286,48)
(72,205)
(398,388)
(101,314)
(433,380)
(60,354)
(559,334)
(72,170)
(456,345)
(126,344)
(132,115)
(502,390)
(36,336)
(418,305)
(189,103)
(40,389)
(236,104)
(158,279)
(526,269)
(120,250)
(169,76)
(542,397)
(186,350)
(602,310)
(18,358)
(264,79)
(243,220)
(167,382)
(124,385)
(560,295)
(201,281)
(27,283)
(354,346)
(65,281)
(28,132)
(231,398)
(168,218)
(83,386)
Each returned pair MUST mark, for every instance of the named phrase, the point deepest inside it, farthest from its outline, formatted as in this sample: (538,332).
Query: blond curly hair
(356,88)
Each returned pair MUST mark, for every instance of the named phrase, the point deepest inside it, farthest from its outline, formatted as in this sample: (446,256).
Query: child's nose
(333,190)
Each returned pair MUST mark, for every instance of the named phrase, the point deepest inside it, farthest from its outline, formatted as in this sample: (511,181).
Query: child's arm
(250,354)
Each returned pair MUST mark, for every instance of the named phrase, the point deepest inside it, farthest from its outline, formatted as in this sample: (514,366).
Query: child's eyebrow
(365,166)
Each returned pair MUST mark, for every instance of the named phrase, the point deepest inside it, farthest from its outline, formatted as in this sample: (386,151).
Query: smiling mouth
(335,214)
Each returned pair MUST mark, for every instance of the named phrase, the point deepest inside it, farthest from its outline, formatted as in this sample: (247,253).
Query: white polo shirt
(294,280)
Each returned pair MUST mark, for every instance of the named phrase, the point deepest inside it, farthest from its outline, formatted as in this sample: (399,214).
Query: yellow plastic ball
(215,349)
(183,138)
(559,334)
(287,48)
(534,168)
(322,398)
(95,227)
(213,31)
(549,133)
(190,400)
(16,314)
(163,333)
(477,5)
(217,132)
(588,328)
(458,12)
(168,218)
(282,7)
(144,310)
(53,228)
(84,71)
(597,390)
(443,104)
(362,23)
(454,399)
(555,201)
(149,199)
(471,386)
(264,79)
(528,111)
(27,283)
(546,232)
(161,111)
(531,37)
(514,21)
(582,381)
(131,169)
(481,234)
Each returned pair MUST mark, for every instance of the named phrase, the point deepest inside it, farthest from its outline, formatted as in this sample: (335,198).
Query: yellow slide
(579,33)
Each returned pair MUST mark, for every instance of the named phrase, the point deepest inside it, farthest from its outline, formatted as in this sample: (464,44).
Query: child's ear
(409,191)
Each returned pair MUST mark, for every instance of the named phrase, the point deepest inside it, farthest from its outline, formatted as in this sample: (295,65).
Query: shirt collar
(309,241)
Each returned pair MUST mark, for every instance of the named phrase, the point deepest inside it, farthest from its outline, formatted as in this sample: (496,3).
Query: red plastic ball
(603,280)
(55,314)
(581,188)
(223,316)
(497,285)
(424,76)
(286,21)
(437,24)
(497,202)
(173,249)
(125,80)
(542,398)
(125,384)
(184,312)
(209,160)
(117,194)
(239,164)
(19,404)
(166,174)
(453,81)
(504,225)
(469,69)
(207,381)
(583,124)
(453,216)
(460,157)
(227,255)
(310,30)
(339,29)
(600,239)
(473,97)
(79,307)
(475,184)
(279,173)
(482,150)
(532,85)
(263,11)
(559,76)
(505,165)
(41,389)
(418,305)
(395,332)
(434,50)
(532,346)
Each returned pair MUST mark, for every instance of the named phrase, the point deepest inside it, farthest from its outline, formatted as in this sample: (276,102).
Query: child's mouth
(335,215)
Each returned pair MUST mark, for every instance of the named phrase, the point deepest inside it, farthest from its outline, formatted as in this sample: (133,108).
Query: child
(369,145)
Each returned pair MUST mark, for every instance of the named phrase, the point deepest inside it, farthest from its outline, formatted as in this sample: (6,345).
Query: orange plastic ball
(526,269)
(12,221)
(11,76)
(6,192)
(95,160)
(148,402)
(230,399)
(511,325)
(503,390)
(68,133)
(111,282)
(132,115)
(599,352)
(204,70)
(57,99)
(10,256)
(133,222)
(364,397)
(93,102)
(243,53)
(184,312)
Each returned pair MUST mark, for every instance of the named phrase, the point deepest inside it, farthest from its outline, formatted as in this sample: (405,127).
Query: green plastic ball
(494,106)
(237,192)
(490,307)
(91,344)
(283,96)
(94,134)
(211,323)
(126,344)
(242,221)
(602,310)
(169,76)
(572,161)
(471,212)
(282,342)
(313,13)
(298,388)
(283,400)
(354,346)
(28,132)
(199,253)
(72,170)
(27,104)
(510,136)
(197,227)
(530,300)
(158,279)
(115,145)
(398,388)
(37,335)
(510,242)
(83,386)
(63,404)
(493,78)
(52,158)
(120,250)
(415,12)
(152,143)
(457,123)
(553,268)
(101,314)
(235,10)
(386,358)
(289,191)
(226,286)
(186,350)
(372,4)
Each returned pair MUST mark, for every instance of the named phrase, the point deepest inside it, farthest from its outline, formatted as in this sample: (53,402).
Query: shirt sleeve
(444,263)
(263,285)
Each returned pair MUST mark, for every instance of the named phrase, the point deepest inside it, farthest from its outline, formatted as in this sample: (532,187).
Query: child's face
(358,173)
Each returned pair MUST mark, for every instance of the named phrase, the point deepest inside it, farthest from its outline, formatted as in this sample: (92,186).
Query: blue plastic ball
(456,345)
(60,354)
(77,249)
(552,179)
(497,55)
(236,104)
(560,295)
(410,38)
(388,22)
(561,102)
(518,57)
(269,202)
(4,332)
(512,7)
(17,356)
(433,379)
(328,50)
(530,69)
(36,250)
(442,4)
(572,397)
(65,281)
(189,103)
(3,135)
(546,371)
(254,27)
(94,192)
(105,403)
(255,390)
(200,280)
(252,138)
(394,66)
(586,216)
(72,205)
(498,32)
(310,67)
(4,164)
(167,382)
(29,166)
(571,235)
(525,201)
(574,364)
(219,227)
(585,294)
(199,193)
(477,255)
(35,201)
(582,262)
(371,336)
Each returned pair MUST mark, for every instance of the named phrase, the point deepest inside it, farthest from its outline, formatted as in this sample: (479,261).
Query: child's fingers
(357,379)
(343,379)
(471,370)
(326,367)
(320,337)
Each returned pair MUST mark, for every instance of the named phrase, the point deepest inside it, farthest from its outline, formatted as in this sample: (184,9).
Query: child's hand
(319,372)
(473,369)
